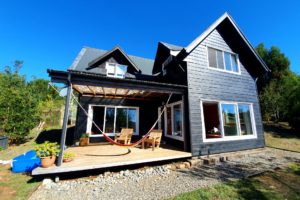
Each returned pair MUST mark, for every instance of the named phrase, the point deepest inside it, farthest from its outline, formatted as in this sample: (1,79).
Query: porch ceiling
(101,91)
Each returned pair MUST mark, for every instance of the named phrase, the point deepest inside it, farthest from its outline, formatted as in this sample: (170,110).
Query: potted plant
(68,156)
(47,152)
(84,140)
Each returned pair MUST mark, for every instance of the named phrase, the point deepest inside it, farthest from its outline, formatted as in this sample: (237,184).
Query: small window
(222,60)
(116,70)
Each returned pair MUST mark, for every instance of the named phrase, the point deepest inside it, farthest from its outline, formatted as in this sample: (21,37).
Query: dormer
(114,63)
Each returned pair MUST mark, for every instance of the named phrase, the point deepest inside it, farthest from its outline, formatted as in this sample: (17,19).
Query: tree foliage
(280,89)
(18,108)
(22,103)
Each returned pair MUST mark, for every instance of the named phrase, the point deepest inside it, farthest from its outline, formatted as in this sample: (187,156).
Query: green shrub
(47,149)
(1,148)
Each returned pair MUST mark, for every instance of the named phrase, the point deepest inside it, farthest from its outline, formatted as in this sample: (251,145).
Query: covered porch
(141,100)
(105,156)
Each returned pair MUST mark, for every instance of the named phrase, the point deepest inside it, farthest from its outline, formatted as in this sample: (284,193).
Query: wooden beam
(91,89)
(103,91)
(77,89)
(116,91)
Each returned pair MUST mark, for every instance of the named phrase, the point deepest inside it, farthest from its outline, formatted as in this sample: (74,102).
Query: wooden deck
(103,156)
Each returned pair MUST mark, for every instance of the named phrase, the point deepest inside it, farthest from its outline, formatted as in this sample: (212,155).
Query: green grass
(282,184)
(282,136)
(16,185)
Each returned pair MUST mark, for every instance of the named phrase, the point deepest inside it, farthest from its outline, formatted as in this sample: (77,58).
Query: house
(214,106)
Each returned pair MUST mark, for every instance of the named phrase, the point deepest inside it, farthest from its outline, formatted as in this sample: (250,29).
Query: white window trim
(224,70)
(115,71)
(228,138)
(90,113)
(181,138)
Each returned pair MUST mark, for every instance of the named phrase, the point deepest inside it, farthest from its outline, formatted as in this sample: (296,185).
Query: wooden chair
(124,136)
(153,139)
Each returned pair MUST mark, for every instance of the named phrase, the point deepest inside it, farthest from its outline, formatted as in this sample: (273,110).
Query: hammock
(144,137)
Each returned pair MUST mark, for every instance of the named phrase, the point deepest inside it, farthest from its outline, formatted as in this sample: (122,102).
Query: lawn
(282,136)
(281,184)
(16,186)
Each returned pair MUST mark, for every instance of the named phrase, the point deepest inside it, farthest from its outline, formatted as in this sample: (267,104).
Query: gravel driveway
(161,182)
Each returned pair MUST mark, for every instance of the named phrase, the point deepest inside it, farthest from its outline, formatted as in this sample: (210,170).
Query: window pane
(132,118)
(109,121)
(227,61)
(121,119)
(177,116)
(245,119)
(220,59)
(98,118)
(212,120)
(234,63)
(212,58)
(169,121)
(229,120)
(121,71)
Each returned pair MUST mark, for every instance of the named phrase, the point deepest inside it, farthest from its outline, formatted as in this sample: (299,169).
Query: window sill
(223,70)
(231,138)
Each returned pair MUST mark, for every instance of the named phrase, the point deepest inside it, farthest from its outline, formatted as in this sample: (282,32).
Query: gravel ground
(161,182)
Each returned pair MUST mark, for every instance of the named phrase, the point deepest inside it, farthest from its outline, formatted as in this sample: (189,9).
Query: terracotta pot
(47,161)
(84,141)
(67,159)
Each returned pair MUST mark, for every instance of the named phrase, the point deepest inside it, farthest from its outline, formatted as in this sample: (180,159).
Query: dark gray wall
(208,84)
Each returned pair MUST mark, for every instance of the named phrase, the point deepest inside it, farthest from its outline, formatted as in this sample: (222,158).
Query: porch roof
(98,84)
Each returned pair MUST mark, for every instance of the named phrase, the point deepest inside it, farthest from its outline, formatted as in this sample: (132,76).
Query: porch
(105,155)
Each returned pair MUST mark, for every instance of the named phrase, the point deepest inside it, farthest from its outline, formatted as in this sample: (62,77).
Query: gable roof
(212,27)
(106,54)
(88,54)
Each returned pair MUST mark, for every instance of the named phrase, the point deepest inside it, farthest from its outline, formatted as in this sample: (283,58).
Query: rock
(187,165)
(180,166)
(47,181)
(107,173)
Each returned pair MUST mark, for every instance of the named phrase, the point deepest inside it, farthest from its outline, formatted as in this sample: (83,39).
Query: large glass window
(116,118)
(245,119)
(222,120)
(174,123)
(229,120)
(222,60)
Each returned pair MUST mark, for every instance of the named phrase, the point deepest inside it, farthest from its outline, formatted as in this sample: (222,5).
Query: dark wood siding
(209,84)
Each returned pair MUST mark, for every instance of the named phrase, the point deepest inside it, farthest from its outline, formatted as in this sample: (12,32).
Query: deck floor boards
(102,156)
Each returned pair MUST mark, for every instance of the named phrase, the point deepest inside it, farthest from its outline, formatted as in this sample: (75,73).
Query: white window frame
(228,138)
(171,105)
(224,70)
(90,114)
(115,70)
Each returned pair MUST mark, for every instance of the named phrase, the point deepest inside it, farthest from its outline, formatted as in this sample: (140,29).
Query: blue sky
(49,34)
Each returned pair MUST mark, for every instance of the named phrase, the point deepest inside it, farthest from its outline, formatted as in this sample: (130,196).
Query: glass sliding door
(177,120)
(109,120)
(229,120)
(132,119)
(121,119)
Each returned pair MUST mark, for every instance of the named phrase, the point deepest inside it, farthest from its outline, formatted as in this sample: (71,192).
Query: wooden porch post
(65,123)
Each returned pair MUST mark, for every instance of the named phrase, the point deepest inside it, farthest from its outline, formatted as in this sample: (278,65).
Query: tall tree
(18,109)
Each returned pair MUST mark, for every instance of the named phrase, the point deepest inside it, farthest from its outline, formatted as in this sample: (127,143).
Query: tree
(279,92)
(18,109)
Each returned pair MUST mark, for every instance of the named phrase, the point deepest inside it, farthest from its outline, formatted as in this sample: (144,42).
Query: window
(222,60)
(174,121)
(112,119)
(116,70)
(224,120)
